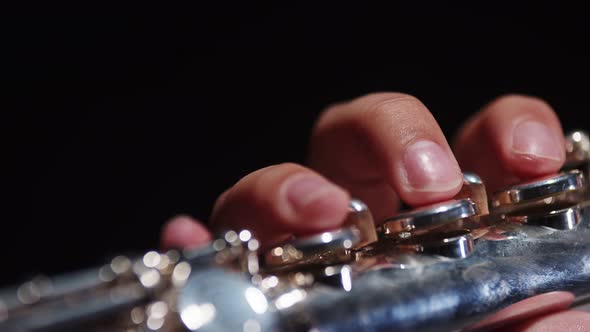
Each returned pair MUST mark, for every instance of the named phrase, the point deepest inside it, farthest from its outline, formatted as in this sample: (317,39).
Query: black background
(116,118)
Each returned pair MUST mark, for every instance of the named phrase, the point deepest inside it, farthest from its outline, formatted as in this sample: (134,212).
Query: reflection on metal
(333,244)
(151,259)
(256,300)
(290,298)
(539,189)
(194,316)
(28,293)
(252,326)
(137,315)
(563,219)
(120,265)
(337,275)
(451,244)
(474,189)
(149,278)
(215,299)
(180,274)
(429,217)
(335,240)
(577,147)
(245,235)
(361,218)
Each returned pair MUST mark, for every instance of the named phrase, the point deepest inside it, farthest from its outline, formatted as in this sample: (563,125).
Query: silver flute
(450,266)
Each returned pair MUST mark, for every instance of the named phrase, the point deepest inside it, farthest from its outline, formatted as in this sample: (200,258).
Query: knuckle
(529,104)
(266,172)
(388,101)
(221,204)
(329,115)
(268,179)
(369,108)
(372,116)
(395,108)
(396,104)
(368,103)
(222,197)
(288,165)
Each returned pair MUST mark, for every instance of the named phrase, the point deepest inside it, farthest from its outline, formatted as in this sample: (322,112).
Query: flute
(445,267)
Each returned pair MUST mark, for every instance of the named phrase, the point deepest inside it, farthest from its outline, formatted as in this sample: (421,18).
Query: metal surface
(539,189)
(215,299)
(69,315)
(562,219)
(361,218)
(474,189)
(577,147)
(334,244)
(452,294)
(339,276)
(451,244)
(344,238)
(430,216)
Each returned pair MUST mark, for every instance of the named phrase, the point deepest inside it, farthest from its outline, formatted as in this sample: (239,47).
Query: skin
(385,147)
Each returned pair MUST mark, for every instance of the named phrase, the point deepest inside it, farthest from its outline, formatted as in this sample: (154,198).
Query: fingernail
(308,189)
(430,168)
(534,139)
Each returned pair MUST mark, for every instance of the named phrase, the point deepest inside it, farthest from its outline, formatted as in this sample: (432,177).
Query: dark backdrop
(116,118)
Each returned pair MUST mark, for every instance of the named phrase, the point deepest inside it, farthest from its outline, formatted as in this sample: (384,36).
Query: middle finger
(382,144)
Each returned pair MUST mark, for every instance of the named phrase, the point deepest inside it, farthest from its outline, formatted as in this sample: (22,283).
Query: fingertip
(424,196)
(528,134)
(513,137)
(537,148)
(328,212)
(430,173)
(282,199)
(313,203)
(184,232)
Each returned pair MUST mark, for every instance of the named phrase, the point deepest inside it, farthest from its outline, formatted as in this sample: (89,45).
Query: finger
(385,143)
(565,321)
(184,232)
(512,138)
(281,199)
(525,310)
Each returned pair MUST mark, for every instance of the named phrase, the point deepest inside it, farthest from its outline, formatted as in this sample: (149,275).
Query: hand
(382,148)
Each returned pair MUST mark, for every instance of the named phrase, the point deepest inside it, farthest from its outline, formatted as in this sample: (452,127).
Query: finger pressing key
(383,145)
(281,200)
